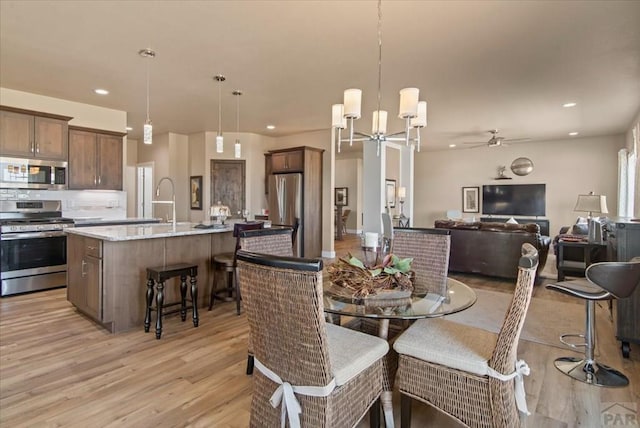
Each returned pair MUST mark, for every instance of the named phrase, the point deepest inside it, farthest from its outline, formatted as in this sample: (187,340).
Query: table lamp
(592,204)
(402,193)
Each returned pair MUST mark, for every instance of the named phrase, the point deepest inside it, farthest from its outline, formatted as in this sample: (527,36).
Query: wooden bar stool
(157,276)
(226,263)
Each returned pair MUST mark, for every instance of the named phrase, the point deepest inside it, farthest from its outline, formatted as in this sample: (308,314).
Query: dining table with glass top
(339,301)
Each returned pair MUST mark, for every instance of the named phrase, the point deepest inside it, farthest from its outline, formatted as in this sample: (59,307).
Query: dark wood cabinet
(29,134)
(308,162)
(289,161)
(95,159)
(84,275)
(626,245)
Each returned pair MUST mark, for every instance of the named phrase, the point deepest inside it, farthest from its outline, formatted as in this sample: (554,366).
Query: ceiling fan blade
(516,140)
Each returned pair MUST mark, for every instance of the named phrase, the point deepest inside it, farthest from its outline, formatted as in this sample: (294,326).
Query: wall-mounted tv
(514,199)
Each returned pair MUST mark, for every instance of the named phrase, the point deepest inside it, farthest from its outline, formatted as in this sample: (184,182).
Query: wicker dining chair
(429,249)
(468,373)
(273,241)
(332,373)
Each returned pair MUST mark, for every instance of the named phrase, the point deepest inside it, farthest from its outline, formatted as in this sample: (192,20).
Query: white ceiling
(479,64)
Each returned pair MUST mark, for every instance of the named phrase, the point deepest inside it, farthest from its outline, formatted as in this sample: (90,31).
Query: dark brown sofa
(492,248)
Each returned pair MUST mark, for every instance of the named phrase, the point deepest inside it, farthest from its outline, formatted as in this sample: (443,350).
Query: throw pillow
(512,221)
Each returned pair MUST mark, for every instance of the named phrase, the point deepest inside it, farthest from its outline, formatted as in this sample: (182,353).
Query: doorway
(144,180)
(228,184)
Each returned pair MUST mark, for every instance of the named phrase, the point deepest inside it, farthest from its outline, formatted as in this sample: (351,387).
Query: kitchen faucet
(172,201)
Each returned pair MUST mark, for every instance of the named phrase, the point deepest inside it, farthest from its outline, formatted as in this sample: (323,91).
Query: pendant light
(147,128)
(219,140)
(237,147)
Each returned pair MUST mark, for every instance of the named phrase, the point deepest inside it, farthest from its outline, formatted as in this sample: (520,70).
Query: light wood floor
(59,369)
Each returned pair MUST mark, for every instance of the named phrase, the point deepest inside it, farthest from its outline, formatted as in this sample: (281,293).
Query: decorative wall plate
(522,166)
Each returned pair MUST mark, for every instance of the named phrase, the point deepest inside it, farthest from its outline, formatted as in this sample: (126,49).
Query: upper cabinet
(95,159)
(28,134)
(291,161)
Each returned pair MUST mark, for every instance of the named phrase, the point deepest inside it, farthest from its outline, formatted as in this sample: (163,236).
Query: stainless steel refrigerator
(285,204)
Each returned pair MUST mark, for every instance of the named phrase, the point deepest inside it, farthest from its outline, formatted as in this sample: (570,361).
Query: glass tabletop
(459,297)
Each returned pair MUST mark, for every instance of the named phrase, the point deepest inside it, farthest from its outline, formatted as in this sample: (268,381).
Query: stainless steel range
(33,246)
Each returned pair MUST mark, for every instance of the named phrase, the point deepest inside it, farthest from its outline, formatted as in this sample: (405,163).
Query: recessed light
(452,145)
(571,104)
(271,127)
(573,134)
(128,128)
(101,91)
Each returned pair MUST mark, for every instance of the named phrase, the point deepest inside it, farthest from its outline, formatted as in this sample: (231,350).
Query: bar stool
(157,276)
(603,281)
(226,263)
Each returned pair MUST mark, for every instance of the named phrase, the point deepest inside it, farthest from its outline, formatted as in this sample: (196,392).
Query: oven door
(32,261)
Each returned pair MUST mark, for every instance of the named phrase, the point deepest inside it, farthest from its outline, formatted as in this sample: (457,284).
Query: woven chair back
(505,353)
(284,309)
(276,242)
(429,249)
(387,226)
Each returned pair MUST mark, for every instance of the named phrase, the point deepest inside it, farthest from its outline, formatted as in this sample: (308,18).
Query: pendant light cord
(219,107)
(238,116)
(148,85)
(379,61)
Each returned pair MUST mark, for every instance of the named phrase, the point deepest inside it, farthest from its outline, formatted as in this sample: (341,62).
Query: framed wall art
(342,196)
(196,192)
(470,199)
(390,186)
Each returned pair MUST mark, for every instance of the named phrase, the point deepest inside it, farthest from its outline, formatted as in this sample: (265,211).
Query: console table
(575,266)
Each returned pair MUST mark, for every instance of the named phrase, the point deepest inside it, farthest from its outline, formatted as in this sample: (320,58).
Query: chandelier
(413,111)
(147,129)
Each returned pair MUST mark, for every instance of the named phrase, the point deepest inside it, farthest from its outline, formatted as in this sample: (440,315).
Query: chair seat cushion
(223,258)
(581,288)
(449,344)
(351,352)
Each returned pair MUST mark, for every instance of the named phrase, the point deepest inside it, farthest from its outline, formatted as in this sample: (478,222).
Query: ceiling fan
(497,141)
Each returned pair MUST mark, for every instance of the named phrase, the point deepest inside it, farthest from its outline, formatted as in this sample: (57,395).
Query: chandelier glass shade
(411,109)
(219,139)
(147,129)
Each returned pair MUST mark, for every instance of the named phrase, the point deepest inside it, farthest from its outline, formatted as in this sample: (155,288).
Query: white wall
(348,174)
(567,167)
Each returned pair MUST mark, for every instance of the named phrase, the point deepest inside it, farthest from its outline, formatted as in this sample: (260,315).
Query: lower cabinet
(84,275)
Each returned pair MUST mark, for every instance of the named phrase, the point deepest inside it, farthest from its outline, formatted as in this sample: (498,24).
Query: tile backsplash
(78,204)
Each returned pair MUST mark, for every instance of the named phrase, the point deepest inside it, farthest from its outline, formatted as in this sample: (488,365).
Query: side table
(575,266)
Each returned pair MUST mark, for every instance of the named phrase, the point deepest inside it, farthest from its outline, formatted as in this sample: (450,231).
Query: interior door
(228,184)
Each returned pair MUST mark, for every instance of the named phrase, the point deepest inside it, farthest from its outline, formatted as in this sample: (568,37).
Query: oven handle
(14,236)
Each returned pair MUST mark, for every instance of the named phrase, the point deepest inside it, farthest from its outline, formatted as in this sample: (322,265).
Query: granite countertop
(145,231)
(98,221)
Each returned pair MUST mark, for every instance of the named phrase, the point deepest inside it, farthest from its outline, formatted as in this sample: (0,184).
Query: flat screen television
(514,199)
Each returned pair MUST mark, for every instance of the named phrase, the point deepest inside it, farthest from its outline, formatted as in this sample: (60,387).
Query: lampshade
(337,116)
(379,125)
(408,103)
(402,192)
(352,103)
(592,203)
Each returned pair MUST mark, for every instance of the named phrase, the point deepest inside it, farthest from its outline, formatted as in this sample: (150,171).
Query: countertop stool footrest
(156,277)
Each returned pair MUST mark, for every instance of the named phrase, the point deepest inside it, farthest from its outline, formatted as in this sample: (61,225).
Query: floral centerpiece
(392,277)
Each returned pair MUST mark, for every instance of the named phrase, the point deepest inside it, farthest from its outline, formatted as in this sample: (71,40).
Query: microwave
(33,174)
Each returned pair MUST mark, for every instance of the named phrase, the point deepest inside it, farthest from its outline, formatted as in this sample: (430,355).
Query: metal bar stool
(603,281)
(158,276)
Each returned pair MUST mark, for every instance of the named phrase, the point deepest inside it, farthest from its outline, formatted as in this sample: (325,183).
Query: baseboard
(328,254)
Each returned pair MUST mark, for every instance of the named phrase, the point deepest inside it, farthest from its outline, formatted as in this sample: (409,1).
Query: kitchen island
(106,266)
